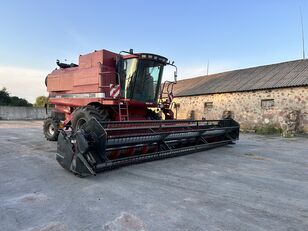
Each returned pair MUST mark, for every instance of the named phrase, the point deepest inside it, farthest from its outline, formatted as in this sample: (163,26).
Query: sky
(226,34)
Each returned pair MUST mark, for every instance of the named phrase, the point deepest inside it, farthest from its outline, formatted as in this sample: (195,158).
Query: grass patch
(249,154)
(253,156)
(268,130)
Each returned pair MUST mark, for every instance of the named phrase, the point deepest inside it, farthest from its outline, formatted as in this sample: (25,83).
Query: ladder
(123,111)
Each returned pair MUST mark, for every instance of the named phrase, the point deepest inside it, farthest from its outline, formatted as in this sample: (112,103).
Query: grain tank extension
(112,110)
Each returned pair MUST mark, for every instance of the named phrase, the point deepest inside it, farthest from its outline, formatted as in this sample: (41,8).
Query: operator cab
(140,76)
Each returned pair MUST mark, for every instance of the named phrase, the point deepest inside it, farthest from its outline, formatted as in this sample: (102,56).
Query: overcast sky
(228,34)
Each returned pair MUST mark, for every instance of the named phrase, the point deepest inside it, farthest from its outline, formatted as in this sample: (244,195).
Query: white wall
(22,113)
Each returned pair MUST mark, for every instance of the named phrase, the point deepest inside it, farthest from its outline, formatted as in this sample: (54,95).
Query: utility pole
(208,66)
(303,34)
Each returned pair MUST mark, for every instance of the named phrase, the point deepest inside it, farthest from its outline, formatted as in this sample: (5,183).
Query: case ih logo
(114,90)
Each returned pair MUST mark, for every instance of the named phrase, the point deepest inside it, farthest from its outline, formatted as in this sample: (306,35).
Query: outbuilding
(264,97)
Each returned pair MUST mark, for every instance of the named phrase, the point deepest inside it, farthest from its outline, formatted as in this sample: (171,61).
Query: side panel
(88,83)
(95,73)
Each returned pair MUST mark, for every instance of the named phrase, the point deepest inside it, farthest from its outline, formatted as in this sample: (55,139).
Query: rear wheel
(50,129)
(84,114)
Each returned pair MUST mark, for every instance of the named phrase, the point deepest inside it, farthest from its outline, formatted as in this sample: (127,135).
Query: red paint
(95,74)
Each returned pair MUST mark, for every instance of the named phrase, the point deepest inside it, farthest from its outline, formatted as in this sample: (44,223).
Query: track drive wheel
(84,114)
(50,129)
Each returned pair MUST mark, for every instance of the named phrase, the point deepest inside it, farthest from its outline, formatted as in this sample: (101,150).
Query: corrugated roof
(287,74)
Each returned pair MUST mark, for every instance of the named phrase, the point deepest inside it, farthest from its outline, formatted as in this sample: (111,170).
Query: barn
(264,98)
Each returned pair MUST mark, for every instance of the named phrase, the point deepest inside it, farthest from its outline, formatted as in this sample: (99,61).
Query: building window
(267,103)
(208,105)
(192,115)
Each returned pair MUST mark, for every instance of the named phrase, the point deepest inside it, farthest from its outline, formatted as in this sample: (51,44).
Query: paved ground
(259,184)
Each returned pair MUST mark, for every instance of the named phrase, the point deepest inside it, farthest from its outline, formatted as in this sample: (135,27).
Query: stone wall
(246,107)
(22,113)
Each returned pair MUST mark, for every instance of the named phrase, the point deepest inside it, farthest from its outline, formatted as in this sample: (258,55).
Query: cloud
(23,82)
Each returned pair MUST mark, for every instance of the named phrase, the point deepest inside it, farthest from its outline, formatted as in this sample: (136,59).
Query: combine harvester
(104,114)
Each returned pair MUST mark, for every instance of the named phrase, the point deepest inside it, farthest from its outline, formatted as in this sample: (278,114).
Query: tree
(4,97)
(16,101)
(40,101)
(7,100)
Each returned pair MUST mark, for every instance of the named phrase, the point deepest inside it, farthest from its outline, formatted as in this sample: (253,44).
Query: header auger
(105,114)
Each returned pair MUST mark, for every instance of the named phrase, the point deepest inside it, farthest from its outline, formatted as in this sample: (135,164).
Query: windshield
(140,79)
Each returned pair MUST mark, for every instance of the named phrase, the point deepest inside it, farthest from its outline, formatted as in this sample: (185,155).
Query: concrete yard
(261,183)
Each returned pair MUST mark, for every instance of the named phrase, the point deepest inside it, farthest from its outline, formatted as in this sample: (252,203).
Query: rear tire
(50,129)
(84,114)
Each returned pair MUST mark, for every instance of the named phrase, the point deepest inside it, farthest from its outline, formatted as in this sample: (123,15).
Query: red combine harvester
(105,117)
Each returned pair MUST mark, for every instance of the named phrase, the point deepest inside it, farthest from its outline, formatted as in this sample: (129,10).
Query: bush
(40,101)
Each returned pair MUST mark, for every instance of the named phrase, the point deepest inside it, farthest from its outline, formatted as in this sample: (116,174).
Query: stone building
(271,96)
